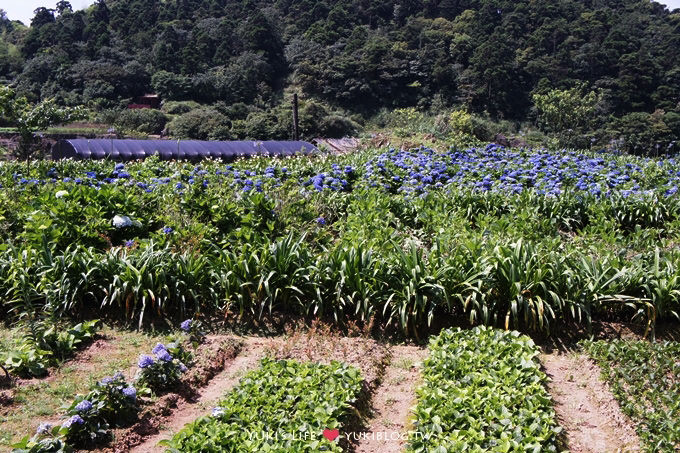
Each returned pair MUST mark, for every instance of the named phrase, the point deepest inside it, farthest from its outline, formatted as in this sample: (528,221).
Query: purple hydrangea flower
(183,368)
(145,361)
(130,392)
(158,348)
(321,221)
(106,381)
(186,325)
(44,428)
(75,420)
(164,355)
(130,243)
(84,406)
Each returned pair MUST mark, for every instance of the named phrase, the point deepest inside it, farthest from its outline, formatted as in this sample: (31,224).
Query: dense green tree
(488,56)
(28,118)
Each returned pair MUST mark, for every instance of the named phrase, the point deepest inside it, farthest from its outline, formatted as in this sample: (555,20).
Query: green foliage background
(352,58)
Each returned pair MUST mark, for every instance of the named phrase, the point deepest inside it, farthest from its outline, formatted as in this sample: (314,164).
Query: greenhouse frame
(126,150)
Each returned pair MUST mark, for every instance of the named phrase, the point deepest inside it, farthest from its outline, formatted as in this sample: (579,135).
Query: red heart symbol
(331,434)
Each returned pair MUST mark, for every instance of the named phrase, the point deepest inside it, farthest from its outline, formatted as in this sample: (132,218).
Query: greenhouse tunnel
(125,150)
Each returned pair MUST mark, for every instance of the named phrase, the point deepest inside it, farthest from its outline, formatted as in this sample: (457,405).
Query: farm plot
(524,239)
(645,379)
(483,390)
(123,404)
(38,400)
(285,405)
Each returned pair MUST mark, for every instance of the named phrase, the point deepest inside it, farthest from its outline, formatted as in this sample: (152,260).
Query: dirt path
(254,349)
(392,402)
(585,407)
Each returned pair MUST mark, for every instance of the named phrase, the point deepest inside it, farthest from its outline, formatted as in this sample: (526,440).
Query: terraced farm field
(370,302)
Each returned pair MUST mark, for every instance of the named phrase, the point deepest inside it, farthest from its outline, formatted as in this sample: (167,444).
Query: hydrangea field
(527,239)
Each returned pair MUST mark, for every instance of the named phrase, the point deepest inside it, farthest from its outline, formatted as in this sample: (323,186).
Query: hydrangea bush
(523,237)
(162,371)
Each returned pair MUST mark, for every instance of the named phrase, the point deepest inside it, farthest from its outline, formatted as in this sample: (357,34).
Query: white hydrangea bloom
(61,194)
(122,221)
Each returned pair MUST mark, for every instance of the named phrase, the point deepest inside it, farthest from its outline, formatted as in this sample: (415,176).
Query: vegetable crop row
(282,406)
(483,390)
(645,379)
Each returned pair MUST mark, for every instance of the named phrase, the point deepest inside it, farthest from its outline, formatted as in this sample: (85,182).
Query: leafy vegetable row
(282,406)
(645,379)
(483,390)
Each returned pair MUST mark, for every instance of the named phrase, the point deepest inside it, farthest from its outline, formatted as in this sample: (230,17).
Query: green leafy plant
(645,379)
(283,405)
(47,439)
(483,390)
(44,345)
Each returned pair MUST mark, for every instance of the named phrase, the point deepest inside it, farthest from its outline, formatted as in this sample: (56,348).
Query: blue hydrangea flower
(75,420)
(130,392)
(218,412)
(130,243)
(158,348)
(43,428)
(145,361)
(186,325)
(321,221)
(183,368)
(164,355)
(106,381)
(84,406)
(167,230)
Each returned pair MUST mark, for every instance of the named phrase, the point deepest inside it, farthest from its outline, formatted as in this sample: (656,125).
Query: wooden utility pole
(296,119)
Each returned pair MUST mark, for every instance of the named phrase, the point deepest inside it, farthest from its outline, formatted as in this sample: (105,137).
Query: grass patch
(8,337)
(645,379)
(42,400)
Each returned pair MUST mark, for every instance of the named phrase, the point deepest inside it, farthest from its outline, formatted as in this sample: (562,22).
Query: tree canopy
(488,56)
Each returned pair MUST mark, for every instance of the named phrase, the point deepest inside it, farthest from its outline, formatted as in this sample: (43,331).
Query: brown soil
(591,417)
(321,344)
(173,412)
(392,403)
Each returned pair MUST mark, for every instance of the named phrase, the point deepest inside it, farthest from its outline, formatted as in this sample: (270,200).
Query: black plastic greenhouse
(124,150)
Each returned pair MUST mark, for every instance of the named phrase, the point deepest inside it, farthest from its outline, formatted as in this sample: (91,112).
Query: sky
(23,9)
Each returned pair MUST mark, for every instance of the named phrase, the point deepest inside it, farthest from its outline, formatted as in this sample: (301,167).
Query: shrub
(113,400)
(200,124)
(147,121)
(179,107)
(163,370)
(47,439)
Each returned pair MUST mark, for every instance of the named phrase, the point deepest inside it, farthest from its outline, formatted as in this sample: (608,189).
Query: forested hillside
(237,58)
